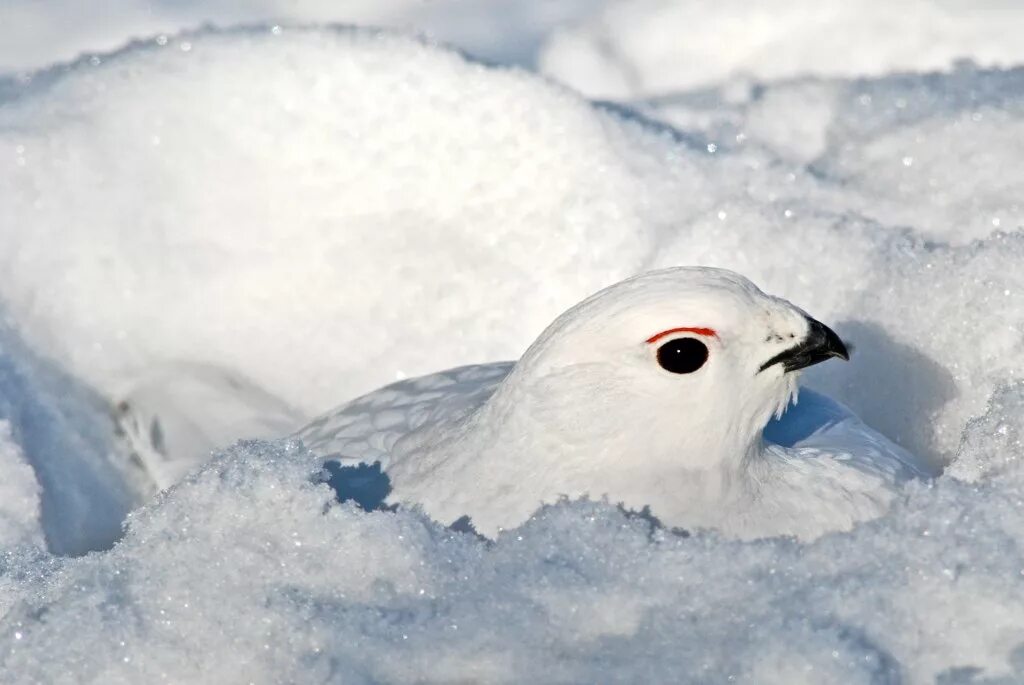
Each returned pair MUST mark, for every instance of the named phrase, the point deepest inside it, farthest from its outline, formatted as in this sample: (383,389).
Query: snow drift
(317,212)
(639,48)
(251,572)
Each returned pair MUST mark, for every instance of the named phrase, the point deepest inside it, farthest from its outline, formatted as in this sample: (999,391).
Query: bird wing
(819,423)
(173,417)
(366,429)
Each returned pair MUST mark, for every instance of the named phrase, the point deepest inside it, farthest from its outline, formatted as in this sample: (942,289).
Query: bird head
(683,365)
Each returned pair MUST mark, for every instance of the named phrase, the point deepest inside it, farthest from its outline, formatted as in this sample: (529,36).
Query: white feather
(588,412)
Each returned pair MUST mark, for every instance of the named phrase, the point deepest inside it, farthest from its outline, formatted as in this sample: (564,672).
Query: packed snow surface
(308,214)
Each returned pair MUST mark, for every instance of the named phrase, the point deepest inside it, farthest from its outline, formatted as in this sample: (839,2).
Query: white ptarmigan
(654,392)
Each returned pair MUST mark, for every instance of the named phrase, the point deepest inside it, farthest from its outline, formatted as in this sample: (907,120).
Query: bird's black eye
(682,355)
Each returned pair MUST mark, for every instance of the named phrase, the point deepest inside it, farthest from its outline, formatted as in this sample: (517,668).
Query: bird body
(823,460)
(654,393)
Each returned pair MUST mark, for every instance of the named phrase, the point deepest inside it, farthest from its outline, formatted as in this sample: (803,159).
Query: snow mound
(640,48)
(581,593)
(307,273)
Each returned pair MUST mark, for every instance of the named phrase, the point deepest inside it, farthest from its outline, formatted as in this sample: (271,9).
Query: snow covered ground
(289,217)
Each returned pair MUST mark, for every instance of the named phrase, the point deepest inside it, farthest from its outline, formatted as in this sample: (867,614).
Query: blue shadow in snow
(368,486)
(365,484)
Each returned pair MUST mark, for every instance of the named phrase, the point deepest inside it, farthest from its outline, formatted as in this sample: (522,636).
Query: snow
(19,495)
(889,139)
(640,48)
(306,214)
(34,34)
(62,471)
(249,571)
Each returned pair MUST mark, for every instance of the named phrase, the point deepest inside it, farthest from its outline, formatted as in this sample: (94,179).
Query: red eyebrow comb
(710,332)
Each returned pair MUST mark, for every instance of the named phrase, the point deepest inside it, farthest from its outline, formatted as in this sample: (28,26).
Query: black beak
(820,344)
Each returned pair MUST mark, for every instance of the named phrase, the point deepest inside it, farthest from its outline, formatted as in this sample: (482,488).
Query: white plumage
(607,403)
